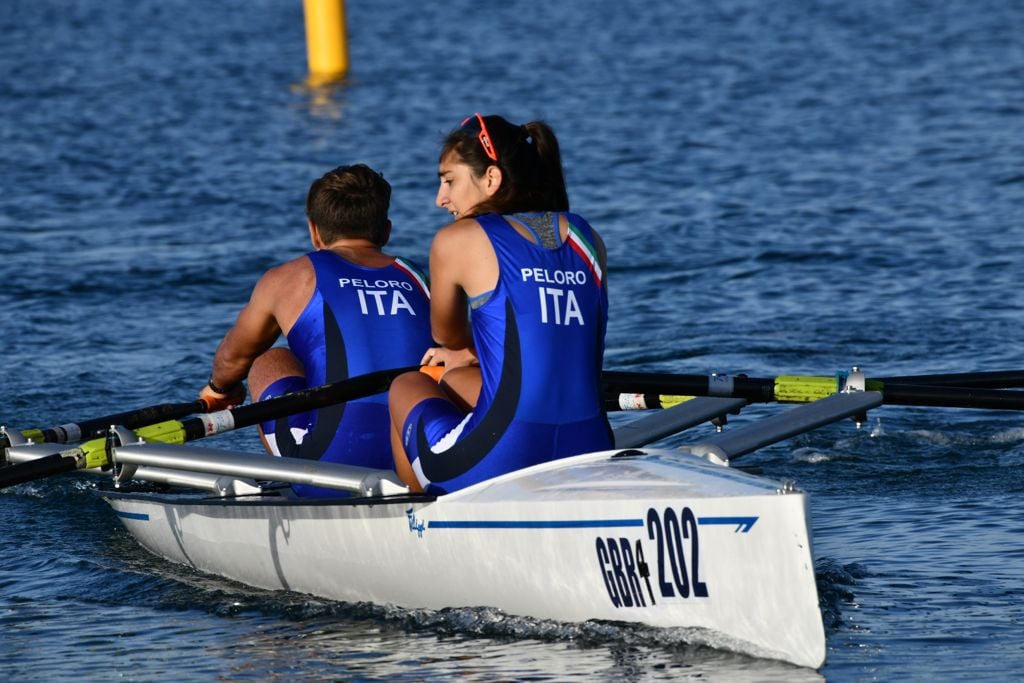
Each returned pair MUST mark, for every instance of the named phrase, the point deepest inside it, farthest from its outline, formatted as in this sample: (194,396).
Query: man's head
(350,201)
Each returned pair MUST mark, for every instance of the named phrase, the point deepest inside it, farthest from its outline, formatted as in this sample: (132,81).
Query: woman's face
(460,191)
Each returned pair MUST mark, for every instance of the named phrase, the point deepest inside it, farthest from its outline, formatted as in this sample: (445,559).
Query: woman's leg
(463,386)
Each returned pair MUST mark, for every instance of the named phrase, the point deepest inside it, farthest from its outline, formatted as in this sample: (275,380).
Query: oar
(88,429)
(663,390)
(999,379)
(36,469)
(94,453)
(952,397)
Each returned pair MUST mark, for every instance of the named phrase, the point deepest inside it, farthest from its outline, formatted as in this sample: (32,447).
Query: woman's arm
(462,264)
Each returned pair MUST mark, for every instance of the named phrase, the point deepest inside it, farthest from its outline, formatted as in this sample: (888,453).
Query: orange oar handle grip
(434,371)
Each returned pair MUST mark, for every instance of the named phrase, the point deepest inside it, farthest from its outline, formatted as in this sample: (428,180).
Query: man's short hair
(350,201)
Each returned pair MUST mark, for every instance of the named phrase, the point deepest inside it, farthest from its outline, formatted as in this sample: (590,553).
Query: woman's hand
(449,358)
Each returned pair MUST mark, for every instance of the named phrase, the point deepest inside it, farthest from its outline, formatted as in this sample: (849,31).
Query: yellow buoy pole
(326,43)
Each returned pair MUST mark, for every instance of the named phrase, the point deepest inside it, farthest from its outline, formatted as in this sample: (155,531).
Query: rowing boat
(664,538)
(654,537)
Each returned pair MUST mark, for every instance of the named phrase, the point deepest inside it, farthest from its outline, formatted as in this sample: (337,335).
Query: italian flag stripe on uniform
(586,251)
(412,272)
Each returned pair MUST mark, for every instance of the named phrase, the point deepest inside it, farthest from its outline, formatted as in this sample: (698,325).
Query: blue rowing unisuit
(539,338)
(358,320)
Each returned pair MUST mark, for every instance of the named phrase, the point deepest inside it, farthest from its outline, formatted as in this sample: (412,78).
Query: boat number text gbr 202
(662,564)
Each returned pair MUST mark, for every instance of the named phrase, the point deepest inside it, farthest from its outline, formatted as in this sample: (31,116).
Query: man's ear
(387,234)
(314,235)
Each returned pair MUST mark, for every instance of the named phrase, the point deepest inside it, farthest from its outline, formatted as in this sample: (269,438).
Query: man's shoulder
(302,262)
(285,274)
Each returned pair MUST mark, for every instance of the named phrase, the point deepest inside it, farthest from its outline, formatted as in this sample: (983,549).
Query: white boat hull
(664,539)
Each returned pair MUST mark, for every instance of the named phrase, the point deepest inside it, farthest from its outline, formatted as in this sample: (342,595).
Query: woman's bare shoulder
(460,235)
(463,227)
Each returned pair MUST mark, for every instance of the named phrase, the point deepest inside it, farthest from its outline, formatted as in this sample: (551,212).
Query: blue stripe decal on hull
(141,516)
(551,524)
(742,523)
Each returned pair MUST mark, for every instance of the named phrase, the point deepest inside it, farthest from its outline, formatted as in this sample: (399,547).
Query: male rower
(346,309)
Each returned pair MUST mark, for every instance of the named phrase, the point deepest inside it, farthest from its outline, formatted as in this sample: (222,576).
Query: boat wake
(835,589)
(164,586)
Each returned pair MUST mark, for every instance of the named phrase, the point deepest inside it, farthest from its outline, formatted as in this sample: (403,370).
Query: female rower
(521,385)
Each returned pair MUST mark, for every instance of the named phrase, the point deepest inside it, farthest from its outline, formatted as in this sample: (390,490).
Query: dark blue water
(784,187)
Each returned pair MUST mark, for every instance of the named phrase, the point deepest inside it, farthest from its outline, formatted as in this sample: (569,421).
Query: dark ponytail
(550,157)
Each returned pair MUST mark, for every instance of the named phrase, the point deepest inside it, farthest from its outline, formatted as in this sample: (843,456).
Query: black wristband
(219,390)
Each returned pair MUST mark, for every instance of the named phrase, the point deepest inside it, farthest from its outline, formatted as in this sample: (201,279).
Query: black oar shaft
(130,418)
(998,379)
(952,397)
(35,469)
(301,401)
